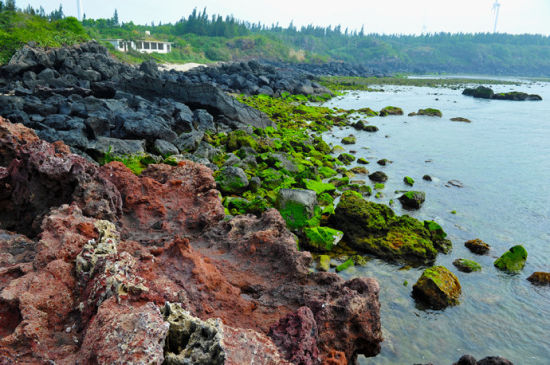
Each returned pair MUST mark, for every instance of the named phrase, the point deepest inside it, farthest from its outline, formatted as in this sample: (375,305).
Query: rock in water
(465,265)
(437,288)
(412,199)
(477,246)
(378,176)
(540,278)
(479,92)
(512,260)
(374,228)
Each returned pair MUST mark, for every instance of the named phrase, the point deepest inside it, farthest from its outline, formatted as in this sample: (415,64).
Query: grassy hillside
(202,38)
(17,29)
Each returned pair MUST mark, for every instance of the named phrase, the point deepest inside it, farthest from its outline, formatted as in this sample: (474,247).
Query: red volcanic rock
(88,290)
(296,335)
(38,176)
(165,201)
(125,334)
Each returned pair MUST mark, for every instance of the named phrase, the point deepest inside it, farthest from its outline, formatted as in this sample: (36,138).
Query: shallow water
(503,160)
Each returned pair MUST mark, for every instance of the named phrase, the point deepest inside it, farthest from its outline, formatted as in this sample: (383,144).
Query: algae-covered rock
(391,110)
(324,263)
(322,238)
(238,139)
(360,170)
(345,265)
(346,158)
(438,235)
(326,172)
(374,228)
(430,112)
(378,176)
(512,260)
(363,161)
(349,139)
(232,180)
(477,246)
(408,180)
(540,278)
(437,288)
(466,265)
(479,92)
(319,187)
(461,119)
(296,206)
(412,199)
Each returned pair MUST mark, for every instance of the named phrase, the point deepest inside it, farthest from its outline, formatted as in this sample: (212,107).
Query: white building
(143,46)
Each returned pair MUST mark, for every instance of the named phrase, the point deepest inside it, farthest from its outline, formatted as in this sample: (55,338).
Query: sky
(381,16)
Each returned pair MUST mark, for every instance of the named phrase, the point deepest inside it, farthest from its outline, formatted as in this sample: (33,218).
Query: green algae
(512,260)
(322,238)
(408,180)
(363,161)
(346,158)
(437,287)
(466,265)
(319,187)
(346,265)
(324,263)
(391,110)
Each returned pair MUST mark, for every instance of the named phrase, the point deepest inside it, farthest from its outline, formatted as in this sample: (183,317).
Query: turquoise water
(503,160)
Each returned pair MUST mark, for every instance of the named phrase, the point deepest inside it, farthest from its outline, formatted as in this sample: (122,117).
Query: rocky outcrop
(374,228)
(487,93)
(83,97)
(94,281)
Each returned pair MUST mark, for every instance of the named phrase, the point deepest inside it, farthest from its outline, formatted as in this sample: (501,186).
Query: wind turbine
(496,8)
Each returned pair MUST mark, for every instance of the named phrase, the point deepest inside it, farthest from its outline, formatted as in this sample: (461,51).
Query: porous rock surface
(87,277)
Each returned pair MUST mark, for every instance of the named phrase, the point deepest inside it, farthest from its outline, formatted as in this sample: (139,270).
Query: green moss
(512,260)
(349,140)
(326,172)
(363,161)
(319,187)
(467,265)
(325,199)
(391,110)
(238,139)
(408,180)
(346,158)
(295,215)
(322,238)
(135,163)
(324,263)
(346,265)
(379,186)
(437,287)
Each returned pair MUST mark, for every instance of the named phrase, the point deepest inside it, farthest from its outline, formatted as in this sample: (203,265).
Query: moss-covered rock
(232,180)
(346,158)
(466,265)
(322,238)
(368,111)
(430,112)
(319,187)
(349,140)
(408,180)
(479,92)
(378,176)
(345,265)
(297,206)
(359,170)
(326,172)
(324,263)
(238,139)
(391,110)
(374,228)
(461,119)
(477,246)
(412,199)
(512,260)
(437,288)
(362,161)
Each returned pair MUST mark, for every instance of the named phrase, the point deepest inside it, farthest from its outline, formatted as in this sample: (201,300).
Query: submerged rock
(489,360)
(461,119)
(391,110)
(374,228)
(437,288)
(487,93)
(477,246)
(479,92)
(349,140)
(512,260)
(378,176)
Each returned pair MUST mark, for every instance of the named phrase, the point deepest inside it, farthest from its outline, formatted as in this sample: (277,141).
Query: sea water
(502,159)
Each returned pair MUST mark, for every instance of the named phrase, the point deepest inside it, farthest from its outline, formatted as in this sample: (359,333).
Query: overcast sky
(382,16)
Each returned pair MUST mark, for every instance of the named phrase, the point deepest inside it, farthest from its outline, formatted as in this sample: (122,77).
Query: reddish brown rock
(39,176)
(296,335)
(540,278)
(87,290)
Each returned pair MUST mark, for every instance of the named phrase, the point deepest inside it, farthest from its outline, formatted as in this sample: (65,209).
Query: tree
(115,18)
(10,5)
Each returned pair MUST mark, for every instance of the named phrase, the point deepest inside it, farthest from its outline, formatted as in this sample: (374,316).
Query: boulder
(437,288)
(102,145)
(479,92)
(477,246)
(412,199)
(390,110)
(490,360)
(189,141)
(517,96)
(232,180)
(540,278)
(466,265)
(165,148)
(321,238)
(374,228)
(346,158)
(349,139)
(203,121)
(512,260)
(430,112)
(378,176)
(296,206)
